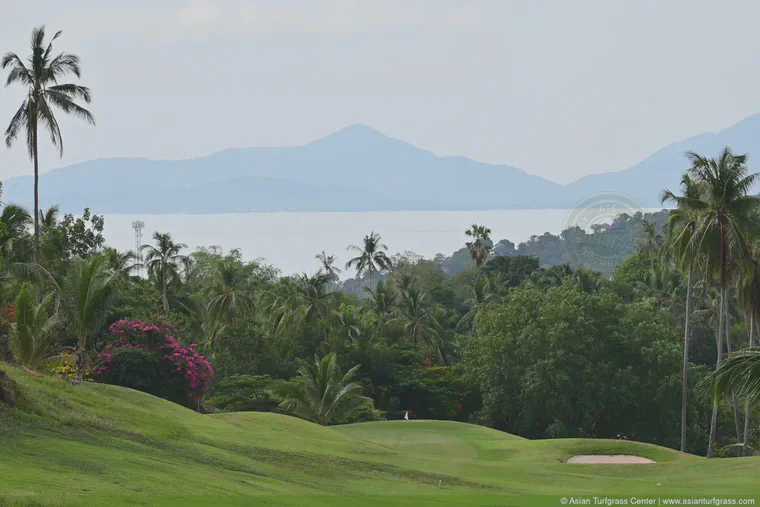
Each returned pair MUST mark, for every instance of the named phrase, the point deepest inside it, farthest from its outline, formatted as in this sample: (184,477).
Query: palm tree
(40,75)
(738,374)
(85,294)
(328,267)
(416,314)
(164,262)
(749,294)
(15,221)
(481,244)
(120,262)
(31,333)
(313,296)
(293,302)
(49,218)
(383,300)
(724,230)
(586,280)
(650,240)
(324,394)
(479,295)
(371,256)
(229,295)
(679,230)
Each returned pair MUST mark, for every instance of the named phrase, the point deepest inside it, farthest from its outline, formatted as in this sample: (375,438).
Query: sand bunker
(614,459)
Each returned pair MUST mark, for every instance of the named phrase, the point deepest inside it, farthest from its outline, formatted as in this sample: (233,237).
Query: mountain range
(354,169)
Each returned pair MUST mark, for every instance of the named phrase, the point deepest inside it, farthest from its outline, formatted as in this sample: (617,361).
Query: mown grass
(103,445)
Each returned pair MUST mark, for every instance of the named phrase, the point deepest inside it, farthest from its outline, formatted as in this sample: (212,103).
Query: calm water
(289,241)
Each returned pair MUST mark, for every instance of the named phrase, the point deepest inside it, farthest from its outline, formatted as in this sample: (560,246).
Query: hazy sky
(558,88)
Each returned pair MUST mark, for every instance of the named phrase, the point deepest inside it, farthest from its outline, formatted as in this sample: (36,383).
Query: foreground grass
(96,445)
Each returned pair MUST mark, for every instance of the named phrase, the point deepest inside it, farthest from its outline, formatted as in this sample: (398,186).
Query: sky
(557,88)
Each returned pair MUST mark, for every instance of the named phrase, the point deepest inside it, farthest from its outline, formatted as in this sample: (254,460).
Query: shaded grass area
(96,444)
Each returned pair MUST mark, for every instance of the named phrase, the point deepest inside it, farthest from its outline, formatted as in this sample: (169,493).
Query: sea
(290,240)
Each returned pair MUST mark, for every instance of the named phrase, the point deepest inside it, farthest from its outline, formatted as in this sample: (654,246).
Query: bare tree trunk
(747,403)
(685,387)
(37,292)
(719,340)
(737,420)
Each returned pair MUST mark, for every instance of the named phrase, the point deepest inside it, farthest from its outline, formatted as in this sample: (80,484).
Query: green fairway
(102,445)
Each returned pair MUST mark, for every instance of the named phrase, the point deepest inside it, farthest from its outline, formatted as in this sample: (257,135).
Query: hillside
(96,444)
(354,169)
(663,169)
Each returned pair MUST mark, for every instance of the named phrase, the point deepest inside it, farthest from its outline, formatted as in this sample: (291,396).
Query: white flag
(406,416)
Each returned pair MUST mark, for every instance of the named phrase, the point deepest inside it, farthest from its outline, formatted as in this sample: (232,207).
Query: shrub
(150,357)
(65,368)
(241,393)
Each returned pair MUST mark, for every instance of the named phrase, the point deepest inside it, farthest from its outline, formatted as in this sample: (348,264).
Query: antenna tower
(138,225)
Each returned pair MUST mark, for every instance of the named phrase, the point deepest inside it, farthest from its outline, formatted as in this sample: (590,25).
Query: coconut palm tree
(85,293)
(749,295)
(383,300)
(120,262)
(416,315)
(40,75)
(724,230)
(679,231)
(479,294)
(33,329)
(324,394)
(650,240)
(293,302)
(739,373)
(49,217)
(164,262)
(371,258)
(327,266)
(15,221)
(480,245)
(230,299)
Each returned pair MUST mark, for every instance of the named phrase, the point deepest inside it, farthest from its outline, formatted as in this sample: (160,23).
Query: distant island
(354,169)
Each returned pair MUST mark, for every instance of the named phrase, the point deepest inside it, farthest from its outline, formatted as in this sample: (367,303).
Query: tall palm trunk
(747,403)
(733,396)
(33,128)
(719,340)
(685,387)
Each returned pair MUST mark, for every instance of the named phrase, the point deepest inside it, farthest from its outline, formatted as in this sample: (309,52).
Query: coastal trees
(40,75)
(371,258)
(164,262)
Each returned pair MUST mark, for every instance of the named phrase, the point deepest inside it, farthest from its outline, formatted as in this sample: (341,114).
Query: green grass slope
(103,445)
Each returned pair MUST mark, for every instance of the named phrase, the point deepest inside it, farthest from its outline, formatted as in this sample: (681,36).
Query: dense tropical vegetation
(523,338)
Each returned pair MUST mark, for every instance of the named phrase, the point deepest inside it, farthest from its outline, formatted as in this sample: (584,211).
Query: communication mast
(138,225)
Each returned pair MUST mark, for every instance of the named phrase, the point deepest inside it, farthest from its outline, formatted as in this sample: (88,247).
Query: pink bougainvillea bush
(150,357)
